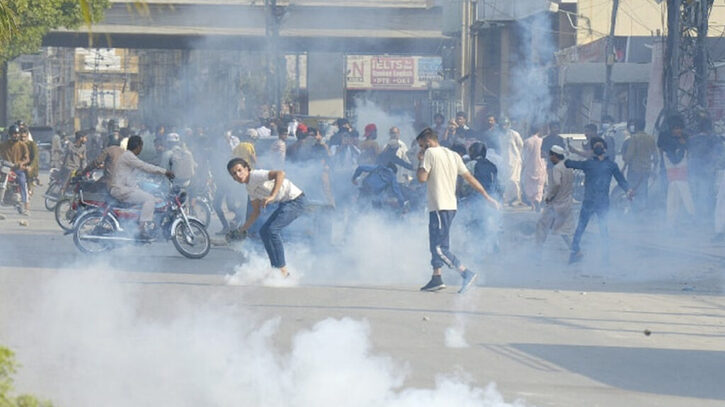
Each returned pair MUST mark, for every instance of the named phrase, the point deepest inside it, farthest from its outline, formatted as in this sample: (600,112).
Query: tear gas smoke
(86,331)
(455,334)
(531,98)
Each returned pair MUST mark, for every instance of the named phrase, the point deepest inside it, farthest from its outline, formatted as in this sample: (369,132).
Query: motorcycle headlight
(182,197)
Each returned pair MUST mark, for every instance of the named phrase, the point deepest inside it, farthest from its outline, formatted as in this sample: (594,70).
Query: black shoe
(435,284)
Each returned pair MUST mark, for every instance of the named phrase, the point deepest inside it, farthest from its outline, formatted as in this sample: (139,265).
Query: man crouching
(266,187)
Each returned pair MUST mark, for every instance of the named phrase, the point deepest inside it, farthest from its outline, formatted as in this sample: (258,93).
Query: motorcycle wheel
(193,247)
(65,215)
(200,209)
(93,224)
(51,196)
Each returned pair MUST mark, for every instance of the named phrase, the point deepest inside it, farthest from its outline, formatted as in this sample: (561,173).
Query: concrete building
(639,27)
(387,50)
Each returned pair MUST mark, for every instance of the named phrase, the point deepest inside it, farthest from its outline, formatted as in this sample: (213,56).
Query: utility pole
(686,59)
(702,13)
(273,18)
(672,56)
(609,60)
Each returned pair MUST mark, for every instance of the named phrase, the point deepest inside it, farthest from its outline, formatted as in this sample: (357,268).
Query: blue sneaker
(469,277)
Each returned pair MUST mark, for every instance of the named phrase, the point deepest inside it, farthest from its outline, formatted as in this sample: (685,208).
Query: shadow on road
(677,372)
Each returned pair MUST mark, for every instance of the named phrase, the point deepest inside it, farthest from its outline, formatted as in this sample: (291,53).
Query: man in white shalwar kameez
(510,173)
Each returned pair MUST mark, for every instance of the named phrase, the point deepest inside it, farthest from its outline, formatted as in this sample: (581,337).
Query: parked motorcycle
(9,188)
(52,194)
(115,224)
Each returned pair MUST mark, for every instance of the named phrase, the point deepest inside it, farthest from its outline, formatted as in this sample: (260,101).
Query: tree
(23,23)
(20,94)
(8,367)
(7,23)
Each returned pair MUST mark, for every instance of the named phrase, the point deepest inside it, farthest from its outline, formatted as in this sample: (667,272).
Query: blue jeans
(589,209)
(270,232)
(21,177)
(439,227)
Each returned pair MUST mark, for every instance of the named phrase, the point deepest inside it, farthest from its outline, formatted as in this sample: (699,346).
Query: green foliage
(7,369)
(20,94)
(8,23)
(34,18)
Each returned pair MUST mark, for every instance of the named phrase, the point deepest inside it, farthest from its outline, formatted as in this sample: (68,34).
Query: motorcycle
(199,205)
(9,184)
(115,224)
(52,195)
(87,195)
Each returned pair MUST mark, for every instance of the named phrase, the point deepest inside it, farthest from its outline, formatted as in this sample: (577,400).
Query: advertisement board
(392,72)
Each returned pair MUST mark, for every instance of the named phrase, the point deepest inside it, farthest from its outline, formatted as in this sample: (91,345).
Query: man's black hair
(80,134)
(134,142)
(461,114)
(459,148)
(439,115)
(477,150)
(676,122)
(596,140)
(638,124)
(427,134)
(236,160)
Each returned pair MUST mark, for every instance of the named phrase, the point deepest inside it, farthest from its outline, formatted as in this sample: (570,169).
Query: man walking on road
(440,168)
(557,216)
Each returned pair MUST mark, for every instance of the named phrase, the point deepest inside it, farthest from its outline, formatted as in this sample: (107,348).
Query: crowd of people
(444,164)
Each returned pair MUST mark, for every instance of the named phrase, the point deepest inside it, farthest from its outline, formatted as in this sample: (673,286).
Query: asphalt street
(649,330)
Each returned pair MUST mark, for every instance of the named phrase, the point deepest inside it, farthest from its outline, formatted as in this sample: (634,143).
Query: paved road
(649,330)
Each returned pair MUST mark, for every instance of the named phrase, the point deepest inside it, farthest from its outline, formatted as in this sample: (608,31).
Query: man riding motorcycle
(17,153)
(124,186)
(75,159)
(107,160)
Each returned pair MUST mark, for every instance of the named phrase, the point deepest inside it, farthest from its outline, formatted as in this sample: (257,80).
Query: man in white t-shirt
(266,187)
(440,168)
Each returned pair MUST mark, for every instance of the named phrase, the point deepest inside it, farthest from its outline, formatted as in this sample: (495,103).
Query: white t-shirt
(443,167)
(260,187)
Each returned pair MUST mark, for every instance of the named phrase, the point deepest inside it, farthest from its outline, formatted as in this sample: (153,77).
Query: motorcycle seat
(123,205)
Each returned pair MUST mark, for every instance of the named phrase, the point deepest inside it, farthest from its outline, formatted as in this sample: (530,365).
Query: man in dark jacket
(598,173)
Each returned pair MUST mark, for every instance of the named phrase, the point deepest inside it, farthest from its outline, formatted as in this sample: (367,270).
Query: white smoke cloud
(88,339)
(531,98)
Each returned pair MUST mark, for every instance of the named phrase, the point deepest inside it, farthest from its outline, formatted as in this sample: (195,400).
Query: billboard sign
(392,72)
